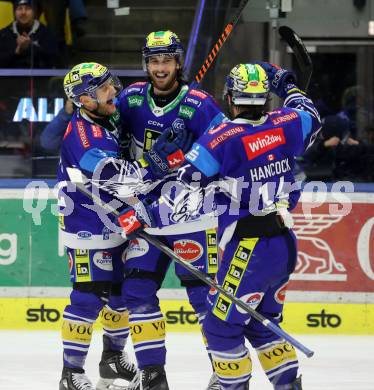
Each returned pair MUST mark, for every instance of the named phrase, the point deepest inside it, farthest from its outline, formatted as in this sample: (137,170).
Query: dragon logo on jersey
(188,250)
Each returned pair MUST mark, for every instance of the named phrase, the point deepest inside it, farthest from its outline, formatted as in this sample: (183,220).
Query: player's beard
(166,84)
(102,110)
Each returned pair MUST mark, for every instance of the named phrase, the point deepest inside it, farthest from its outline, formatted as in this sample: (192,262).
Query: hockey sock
(280,363)
(77,325)
(233,368)
(148,337)
(116,328)
(76,337)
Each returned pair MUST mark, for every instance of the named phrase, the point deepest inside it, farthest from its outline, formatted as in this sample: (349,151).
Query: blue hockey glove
(134,219)
(280,80)
(168,151)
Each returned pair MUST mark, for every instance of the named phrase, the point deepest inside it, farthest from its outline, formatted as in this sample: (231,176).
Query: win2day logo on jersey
(262,142)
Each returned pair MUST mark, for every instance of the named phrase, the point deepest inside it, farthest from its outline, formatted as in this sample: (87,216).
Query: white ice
(32,361)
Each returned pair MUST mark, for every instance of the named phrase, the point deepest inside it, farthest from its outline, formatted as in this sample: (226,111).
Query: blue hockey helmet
(162,43)
(86,78)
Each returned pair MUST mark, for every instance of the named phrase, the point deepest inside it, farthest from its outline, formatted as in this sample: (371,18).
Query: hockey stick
(302,56)
(78,178)
(217,47)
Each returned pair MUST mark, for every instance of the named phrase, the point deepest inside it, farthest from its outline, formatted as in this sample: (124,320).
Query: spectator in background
(27,43)
(336,155)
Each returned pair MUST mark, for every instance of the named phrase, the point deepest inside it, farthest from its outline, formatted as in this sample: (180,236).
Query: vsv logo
(263,142)
(8,248)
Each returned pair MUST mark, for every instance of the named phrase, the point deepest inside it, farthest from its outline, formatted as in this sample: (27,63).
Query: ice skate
(74,379)
(214,383)
(150,378)
(114,365)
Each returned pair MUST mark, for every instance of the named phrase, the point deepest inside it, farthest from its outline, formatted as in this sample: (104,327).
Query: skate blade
(108,384)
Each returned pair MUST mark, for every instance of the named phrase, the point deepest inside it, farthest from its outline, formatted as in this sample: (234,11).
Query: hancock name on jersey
(269,170)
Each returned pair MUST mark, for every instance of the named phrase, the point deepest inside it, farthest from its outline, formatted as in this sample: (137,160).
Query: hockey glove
(281,81)
(135,219)
(168,151)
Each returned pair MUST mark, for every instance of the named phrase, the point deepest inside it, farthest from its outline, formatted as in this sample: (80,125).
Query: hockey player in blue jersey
(147,109)
(249,161)
(95,250)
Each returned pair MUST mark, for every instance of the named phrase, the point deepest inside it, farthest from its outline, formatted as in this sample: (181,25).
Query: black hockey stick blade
(82,182)
(302,56)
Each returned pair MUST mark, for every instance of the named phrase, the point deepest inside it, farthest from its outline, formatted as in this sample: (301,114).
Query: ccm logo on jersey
(263,142)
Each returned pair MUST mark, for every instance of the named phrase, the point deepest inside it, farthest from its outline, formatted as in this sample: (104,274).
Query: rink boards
(331,290)
(303,318)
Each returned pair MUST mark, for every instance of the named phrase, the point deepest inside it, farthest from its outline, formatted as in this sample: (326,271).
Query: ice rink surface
(32,361)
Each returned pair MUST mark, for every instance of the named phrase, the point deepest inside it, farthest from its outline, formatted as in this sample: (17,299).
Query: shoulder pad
(198,93)
(218,128)
(135,88)
(231,131)
(282,116)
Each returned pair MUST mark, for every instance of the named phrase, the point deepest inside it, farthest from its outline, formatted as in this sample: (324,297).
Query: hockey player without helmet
(86,78)
(162,43)
(247,84)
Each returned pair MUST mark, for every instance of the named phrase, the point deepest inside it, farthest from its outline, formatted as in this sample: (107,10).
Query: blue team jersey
(250,164)
(144,121)
(94,150)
